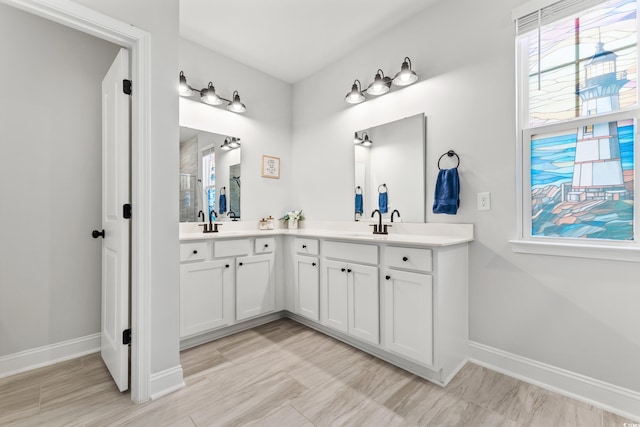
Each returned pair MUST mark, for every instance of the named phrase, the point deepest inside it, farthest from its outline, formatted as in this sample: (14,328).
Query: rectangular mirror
(209,176)
(390,163)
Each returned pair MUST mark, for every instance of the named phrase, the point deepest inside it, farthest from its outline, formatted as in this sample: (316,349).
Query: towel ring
(385,187)
(358,188)
(223,190)
(449,153)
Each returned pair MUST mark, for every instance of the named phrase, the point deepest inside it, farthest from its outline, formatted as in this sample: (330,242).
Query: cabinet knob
(95,233)
(304,246)
(226,266)
(387,277)
(266,245)
(240,264)
(313,264)
(405,259)
(348,270)
(195,251)
(343,269)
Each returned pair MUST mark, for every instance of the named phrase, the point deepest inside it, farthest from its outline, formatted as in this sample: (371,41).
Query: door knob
(96,234)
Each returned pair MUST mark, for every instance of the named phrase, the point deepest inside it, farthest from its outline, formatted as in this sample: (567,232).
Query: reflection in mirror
(389,170)
(209,175)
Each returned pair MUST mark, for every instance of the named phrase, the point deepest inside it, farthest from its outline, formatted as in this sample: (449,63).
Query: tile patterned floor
(285,374)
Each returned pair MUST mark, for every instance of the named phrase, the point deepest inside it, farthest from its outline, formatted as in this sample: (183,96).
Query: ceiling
(290,39)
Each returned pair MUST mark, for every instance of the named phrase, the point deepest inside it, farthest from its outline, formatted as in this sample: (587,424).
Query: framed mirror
(390,170)
(209,176)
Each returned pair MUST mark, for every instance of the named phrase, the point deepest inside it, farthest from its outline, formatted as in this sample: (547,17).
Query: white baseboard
(609,397)
(34,358)
(165,382)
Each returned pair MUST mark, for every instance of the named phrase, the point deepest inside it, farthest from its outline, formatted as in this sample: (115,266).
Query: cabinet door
(307,290)
(364,303)
(408,318)
(206,296)
(335,295)
(255,291)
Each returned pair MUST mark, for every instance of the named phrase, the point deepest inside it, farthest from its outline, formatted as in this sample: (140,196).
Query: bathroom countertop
(398,238)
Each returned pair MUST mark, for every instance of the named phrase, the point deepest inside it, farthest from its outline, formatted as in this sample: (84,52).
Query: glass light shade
(184,89)
(356,139)
(236,106)
(355,96)
(366,141)
(234,143)
(225,145)
(380,85)
(209,96)
(406,76)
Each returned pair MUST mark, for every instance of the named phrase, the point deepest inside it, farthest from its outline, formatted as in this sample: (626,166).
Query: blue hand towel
(383,202)
(447,196)
(359,207)
(222,208)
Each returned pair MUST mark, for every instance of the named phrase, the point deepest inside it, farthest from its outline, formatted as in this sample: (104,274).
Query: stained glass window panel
(582,182)
(596,48)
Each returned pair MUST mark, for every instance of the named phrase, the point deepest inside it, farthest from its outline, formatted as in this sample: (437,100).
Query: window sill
(616,252)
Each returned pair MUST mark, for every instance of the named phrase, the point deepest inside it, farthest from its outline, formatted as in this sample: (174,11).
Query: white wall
(265,128)
(580,315)
(160,19)
(50,181)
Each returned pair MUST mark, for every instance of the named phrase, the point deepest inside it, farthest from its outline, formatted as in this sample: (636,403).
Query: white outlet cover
(484,201)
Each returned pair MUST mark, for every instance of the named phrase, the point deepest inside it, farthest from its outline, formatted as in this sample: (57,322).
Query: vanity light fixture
(366,142)
(230,143)
(234,143)
(382,84)
(356,138)
(225,144)
(209,96)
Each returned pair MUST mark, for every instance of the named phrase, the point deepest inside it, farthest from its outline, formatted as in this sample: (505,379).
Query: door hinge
(126,86)
(126,211)
(126,337)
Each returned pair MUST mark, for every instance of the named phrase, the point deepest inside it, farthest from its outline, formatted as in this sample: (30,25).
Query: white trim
(138,42)
(601,394)
(165,382)
(34,358)
(629,253)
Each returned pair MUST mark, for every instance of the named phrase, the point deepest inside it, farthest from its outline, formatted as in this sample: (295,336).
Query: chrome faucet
(395,211)
(233,215)
(379,228)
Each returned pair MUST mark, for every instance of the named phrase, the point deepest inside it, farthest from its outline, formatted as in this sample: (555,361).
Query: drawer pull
(240,264)
(313,264)
(266,245)
(387,277)
(348,270)
(304,246)
(405,259)
(195,252)
(226,266)
(343,269)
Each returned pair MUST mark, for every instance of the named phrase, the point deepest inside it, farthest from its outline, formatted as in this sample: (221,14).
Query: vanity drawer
(195,251)
(265,245)
(307,246)
(356,252)
(224,248)
(409,258)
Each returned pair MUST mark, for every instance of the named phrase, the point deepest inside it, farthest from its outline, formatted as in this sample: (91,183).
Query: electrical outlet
(484,201)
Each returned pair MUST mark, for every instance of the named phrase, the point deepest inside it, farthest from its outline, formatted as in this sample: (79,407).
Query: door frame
(137,41)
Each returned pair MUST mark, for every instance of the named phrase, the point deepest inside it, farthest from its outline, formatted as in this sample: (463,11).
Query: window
(577,76)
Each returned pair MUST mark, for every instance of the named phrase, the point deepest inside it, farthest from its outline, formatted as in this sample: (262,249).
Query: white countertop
(357,236)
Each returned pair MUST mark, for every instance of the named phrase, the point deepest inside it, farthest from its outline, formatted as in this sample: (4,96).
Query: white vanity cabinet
(350,299)
(306,293)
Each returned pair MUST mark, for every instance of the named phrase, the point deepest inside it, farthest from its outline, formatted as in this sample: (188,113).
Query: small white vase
(293,224)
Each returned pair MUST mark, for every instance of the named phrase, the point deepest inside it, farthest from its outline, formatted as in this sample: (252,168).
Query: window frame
(525,242)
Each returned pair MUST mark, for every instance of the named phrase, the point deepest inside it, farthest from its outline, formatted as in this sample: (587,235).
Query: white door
(335,295)
(115,246)
(364,303)
(255,291)
(409,315)
(206,296)
(307,292)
